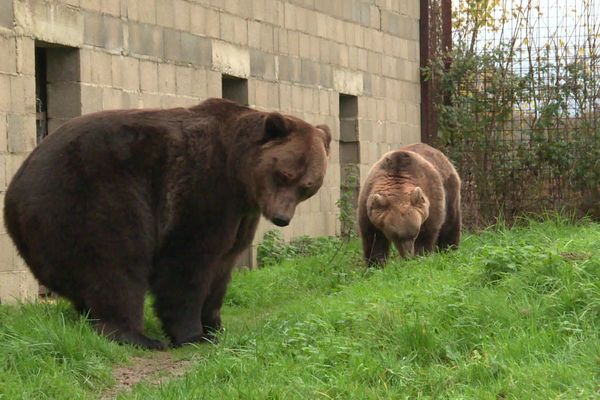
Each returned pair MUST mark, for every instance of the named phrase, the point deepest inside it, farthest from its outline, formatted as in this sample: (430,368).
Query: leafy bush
(273,249)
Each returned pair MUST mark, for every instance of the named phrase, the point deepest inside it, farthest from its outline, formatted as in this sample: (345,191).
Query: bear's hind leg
(450,233)
(116,310)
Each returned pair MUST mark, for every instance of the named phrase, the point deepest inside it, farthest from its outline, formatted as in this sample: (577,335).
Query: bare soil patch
(156,369)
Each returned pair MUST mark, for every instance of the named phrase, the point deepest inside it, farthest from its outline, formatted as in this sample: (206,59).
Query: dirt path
(156,369)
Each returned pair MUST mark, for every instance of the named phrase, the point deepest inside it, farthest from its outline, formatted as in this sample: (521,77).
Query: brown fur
(411,197)
(117,203)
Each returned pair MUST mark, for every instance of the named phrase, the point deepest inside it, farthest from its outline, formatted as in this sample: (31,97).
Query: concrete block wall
(297,55)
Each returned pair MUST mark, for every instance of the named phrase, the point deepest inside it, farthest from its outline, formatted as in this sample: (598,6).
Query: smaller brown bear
(411,197)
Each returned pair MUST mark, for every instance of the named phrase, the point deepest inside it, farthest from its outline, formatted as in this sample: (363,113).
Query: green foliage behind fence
(519,110)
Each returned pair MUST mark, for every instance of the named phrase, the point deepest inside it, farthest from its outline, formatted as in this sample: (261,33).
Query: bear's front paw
(202,338)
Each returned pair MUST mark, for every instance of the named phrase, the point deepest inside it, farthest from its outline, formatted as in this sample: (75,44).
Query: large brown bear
(411,198)
(117,203)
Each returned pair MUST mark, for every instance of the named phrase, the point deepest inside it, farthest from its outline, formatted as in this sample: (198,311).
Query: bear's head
(291,165)
(399,217)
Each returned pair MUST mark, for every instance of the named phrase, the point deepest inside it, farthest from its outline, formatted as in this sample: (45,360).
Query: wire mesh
(518,106)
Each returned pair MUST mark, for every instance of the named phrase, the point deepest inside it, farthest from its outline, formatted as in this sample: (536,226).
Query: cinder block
(131,73)
(2,226)
(267,38)
(117,71)
(290,69)
(3,136)
(174,101)
(212,23)
(146,39)
(254,35)
(195,49)
(7,252)
(307,99)
(289,11)
(172,45)
(166,78)
(25,55)
(296,99)
(21,133)
(343,56)
(260,94)
(374,63)
(101,68)
(3,185)
(293,44)
(130,100)
(281,40)
(240,31)
(111,99)
(13,162)
(227,29)
(17,94)
(8,50)
(213,79)
(94,5)
(324,102)
(309,72)
(147,11)
(132,9)
(165,13)
(6,14)
(182,15)
(388,67)
(304,45)
(285,97)
(183,79)
(148,76)
(199,84)
(263,65)
(85,65)
(112,7)
(17,286)
(150,100)
(91,99)
(103,31)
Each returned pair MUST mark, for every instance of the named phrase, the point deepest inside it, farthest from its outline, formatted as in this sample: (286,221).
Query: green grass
(513,314)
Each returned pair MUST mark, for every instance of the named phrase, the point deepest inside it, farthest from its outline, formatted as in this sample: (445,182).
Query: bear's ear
(417,197)
(379,201)
(396,163)
(276,126)
(326,136)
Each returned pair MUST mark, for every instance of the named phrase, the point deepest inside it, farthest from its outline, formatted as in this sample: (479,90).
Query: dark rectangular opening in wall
(41,93)
(57,91)
(57,86)
(349,158)
(234,88)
